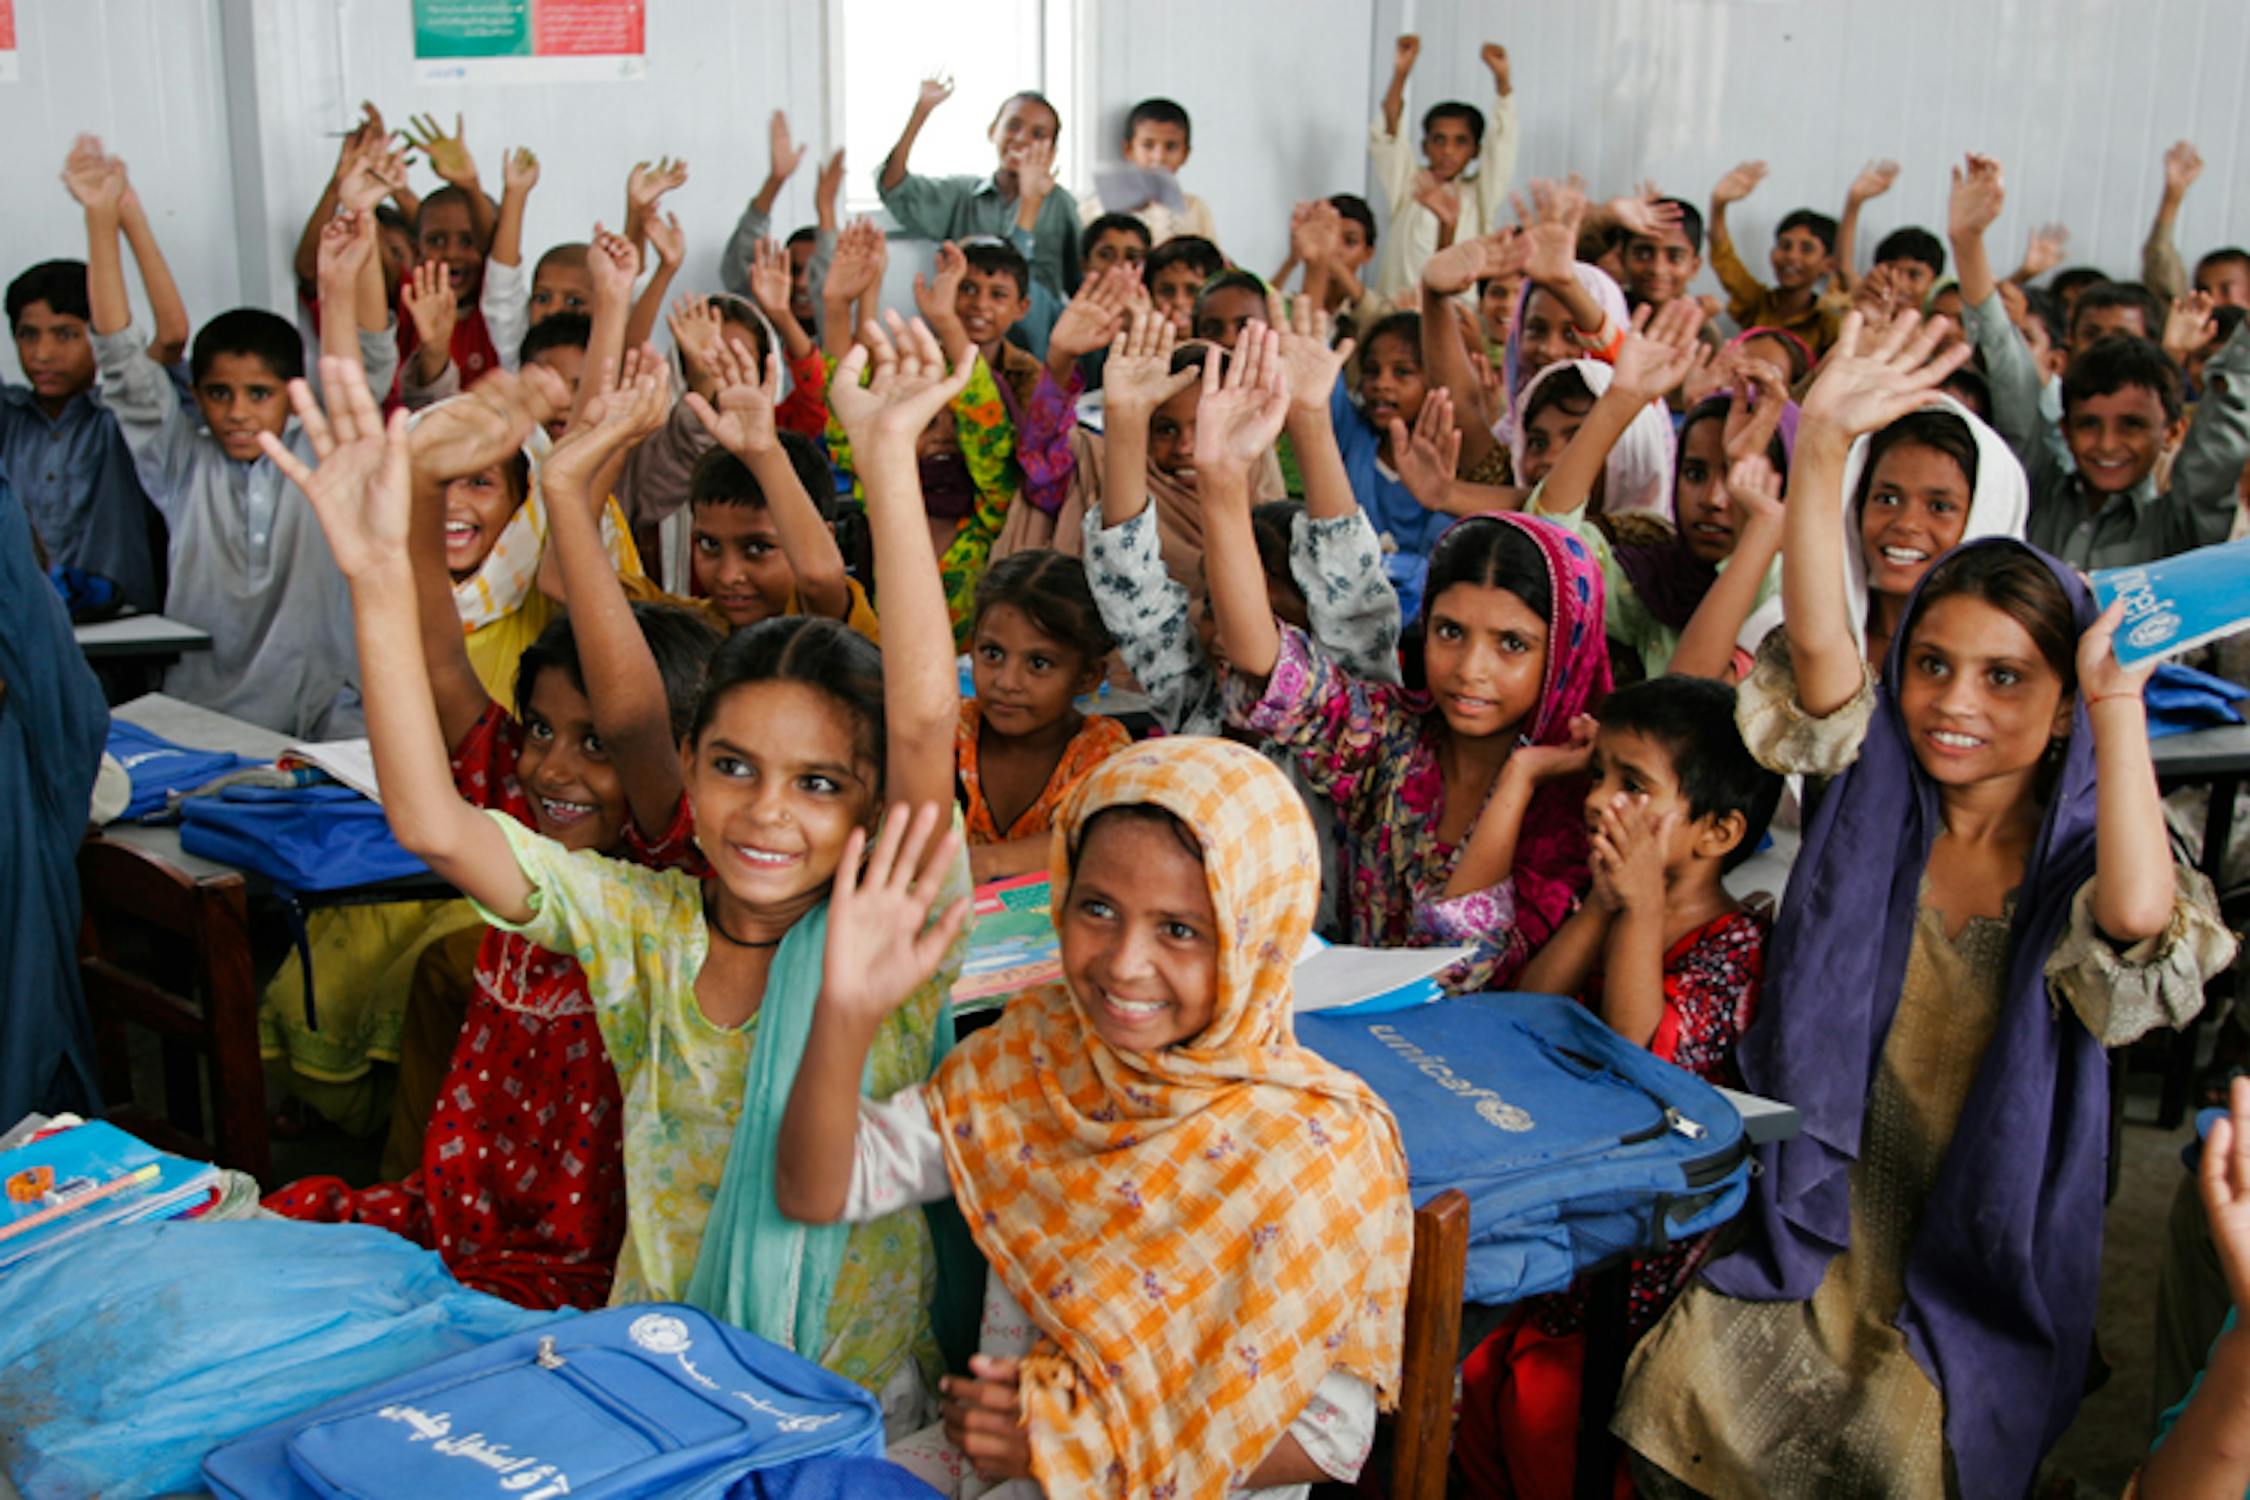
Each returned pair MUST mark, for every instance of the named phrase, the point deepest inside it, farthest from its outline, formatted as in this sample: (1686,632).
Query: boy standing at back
(1454,136)
(1020,202)
(1157,140)
(249,563)
(1804,252)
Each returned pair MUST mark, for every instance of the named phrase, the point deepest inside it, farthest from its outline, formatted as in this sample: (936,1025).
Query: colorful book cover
(64,1184)
(2177,603)
(1012,944)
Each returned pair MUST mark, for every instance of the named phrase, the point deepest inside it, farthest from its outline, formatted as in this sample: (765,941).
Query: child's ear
(1090,676)
(2175,431)
(1717,834)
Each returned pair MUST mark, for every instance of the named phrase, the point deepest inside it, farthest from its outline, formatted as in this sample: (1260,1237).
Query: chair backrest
(205,1002)
(1422,1436)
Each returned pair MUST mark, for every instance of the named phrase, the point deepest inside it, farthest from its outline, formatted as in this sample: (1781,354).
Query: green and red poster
(529,41)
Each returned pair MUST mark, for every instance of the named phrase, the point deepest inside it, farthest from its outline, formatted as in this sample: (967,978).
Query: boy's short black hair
(681,640)
(1970,386)
(1691,223)
(996,257)
(1114,223)
(2044,305)
(444,195)
(1355,208)
(2120,361)
(563,330)
(1157,112)
(61,284)
(2230,255)
(1191,250)
(804,234)
(1454,109)
(2120,294)
(253,331)
(720,478)
(1034,96)
(1911,243)
(1693,719)
(2074,280)
(1233,279)
(1818,225)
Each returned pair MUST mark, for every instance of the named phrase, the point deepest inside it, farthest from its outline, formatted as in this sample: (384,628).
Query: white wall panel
(2077,97)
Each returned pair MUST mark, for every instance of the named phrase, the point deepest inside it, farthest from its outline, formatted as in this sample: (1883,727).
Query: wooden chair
(1422,1432)
(170,953)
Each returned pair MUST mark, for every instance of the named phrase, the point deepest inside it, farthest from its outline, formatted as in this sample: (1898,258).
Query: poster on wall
(10,59)
(527,41)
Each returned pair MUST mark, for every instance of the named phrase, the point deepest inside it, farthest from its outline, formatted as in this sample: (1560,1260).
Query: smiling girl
(1459,799)
(1985,901)
(703,988)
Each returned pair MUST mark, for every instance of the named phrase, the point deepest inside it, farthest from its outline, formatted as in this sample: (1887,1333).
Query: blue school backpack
(647,1401)
(321,837)
(1574,1146)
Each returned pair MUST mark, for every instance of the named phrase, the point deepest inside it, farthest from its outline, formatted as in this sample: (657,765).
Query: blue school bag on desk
(648,1401)
(320,837)
(1574,1146)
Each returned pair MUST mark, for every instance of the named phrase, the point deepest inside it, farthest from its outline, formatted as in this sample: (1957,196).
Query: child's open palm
(1242,409)
(346,243)
(743,418)
(936,294)
(1873,181)
(486,424)
(771,276)
(448,155)
(826,186)
(1760,397)
(1316,232)
(666,238)
(1456,268)
(1867,383)
(618,419)
(650,181)
(1091,318)
(1429,457)
(1309,366)
(2225,1174)
(1551,228)
(519,170)
(1138,377)
(94,177)
(909,385)
(934,91)
(882,941)
(375,174)
(1980,191)
(1739,183)
(696,330)
(613,264)
(2182,165)
(2044,248)
(1659,352)
(858,264)
(2188,325)
(1754,484)
(359,488)
(428,295)
(1647,213)
(782,151)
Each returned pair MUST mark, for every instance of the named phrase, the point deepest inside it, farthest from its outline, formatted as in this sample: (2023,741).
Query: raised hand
(2188,326)
(649,181)
(619,419)
(1495,58)
(2043,250)
(1545,763)
(2225,1178)
(666,238)
(346,242)
(1035,172)
(1091,319)
(1241,411)
(1661,351)
(375,174)
(1440,198)
(1878,298)
(1761,395)
(1138,377)
(1647,214)
(935,294)
(771,276)
(909,385)
(1861,390)
(1551,229)
(368,133)
(882,941)
(1403,53)
(486,424)
(1755,486)
(934,91)
(2182,165)
(826,186)
(1456,268)
(1873,181)
(1316,232)
(359,486)
(519,170)
(697,329)
(743,418)
(1738,184)
(1429,457)
(783,154)
(448,155)
(1980,191)
(614,265)
(94,177)
(428,295)
(1309,367)
(2100,675)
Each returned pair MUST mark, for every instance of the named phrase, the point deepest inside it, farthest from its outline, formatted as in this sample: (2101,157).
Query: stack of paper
(348,761)
(56,1187)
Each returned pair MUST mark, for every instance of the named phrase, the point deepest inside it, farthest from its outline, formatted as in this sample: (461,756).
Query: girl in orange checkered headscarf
(1202,1232)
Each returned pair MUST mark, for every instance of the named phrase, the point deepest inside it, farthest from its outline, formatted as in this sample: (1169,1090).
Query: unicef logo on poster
(660,1333)
(2148,634)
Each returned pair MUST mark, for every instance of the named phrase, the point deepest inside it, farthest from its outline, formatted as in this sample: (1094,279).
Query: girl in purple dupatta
(1968,794)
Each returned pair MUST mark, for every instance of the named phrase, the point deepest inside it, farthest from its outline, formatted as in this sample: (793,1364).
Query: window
(881,50)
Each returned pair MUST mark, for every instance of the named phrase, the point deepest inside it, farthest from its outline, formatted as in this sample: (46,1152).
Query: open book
(348,761)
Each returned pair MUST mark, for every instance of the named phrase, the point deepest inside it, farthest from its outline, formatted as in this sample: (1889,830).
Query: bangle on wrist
(2132,693)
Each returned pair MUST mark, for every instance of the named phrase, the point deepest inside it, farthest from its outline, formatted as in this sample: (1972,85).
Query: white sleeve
(898,1158)
(1337,1427)
(506,301)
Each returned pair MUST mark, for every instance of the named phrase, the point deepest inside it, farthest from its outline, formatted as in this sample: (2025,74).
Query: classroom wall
(223,109)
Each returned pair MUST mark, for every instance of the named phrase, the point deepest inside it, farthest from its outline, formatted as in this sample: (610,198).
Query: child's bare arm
(1569,958)
(519,174)
(370,134)
(165,305)
(1707,645)
(428,295)
(361,492)
(855,270)
(2203,1456)
(1975,202)
(97,180)
(465,435)
(1236,421)
(2161,266)
(645,187)
(743,421)
(670,244)
(1873,181)
(770,278)
(347,248)
(613,263)
(1551,254)
(1136,381)
(783,156)
(1403,53)
(623,687)
(1310,370)
(1655,356)
(933,92)
(921,692)
(1627,860)
(1445,352)
(2135,887)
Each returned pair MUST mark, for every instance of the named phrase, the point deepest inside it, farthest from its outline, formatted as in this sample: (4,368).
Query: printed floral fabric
(1096,741)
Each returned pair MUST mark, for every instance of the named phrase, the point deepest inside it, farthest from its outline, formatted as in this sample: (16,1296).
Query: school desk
(153,639)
